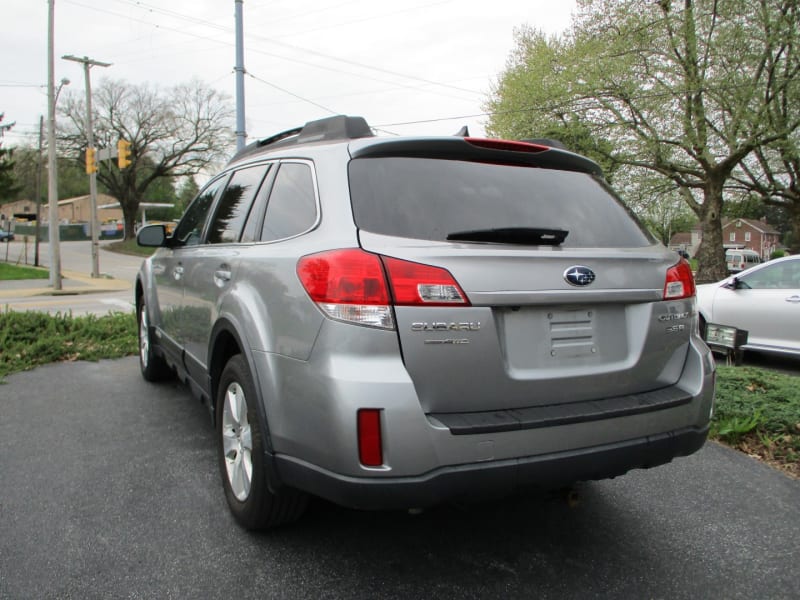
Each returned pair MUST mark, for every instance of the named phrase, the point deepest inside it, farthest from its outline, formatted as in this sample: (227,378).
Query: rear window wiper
(528,236)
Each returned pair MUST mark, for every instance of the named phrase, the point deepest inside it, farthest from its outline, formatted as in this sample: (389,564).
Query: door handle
(793,299)
(222,276)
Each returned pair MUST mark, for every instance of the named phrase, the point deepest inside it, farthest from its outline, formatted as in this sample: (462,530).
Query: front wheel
(242,459)
(153,366)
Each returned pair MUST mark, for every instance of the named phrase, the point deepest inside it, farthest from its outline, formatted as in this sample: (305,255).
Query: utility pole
(52,173)
(38,194)
(88,64)
(241,134)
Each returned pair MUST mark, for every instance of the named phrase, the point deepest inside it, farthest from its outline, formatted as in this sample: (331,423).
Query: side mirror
(152,236)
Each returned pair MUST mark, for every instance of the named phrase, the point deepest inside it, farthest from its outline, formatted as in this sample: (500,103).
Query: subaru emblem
(579,276)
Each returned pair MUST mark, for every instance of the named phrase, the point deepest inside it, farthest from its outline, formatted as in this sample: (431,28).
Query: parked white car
(763,300)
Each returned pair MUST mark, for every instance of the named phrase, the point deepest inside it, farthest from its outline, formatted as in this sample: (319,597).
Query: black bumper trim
(490,479)
(561,414)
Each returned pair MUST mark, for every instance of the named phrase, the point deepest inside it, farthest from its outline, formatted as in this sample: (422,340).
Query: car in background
(739,260)
(396,322)
(763,300)
(6,236)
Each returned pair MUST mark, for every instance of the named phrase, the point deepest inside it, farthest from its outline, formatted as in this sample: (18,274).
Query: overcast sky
(407,67)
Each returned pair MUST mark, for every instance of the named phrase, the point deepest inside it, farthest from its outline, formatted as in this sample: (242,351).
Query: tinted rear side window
(234,205)
(428,199)
(292,205)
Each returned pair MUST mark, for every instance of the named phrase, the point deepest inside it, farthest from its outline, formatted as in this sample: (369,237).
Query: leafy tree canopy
(680,90)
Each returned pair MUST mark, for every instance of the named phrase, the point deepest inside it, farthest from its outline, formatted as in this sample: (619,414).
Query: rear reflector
(680,282)
(370,445)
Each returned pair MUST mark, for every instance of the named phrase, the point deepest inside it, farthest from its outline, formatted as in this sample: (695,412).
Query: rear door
(210,269)
(549,320)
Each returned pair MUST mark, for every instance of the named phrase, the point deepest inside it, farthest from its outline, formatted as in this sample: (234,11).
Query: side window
(784,276)
(252,227)
(292,206)
(234,205)
(189,230)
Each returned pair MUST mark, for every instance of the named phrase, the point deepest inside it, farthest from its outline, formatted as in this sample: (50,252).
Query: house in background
(688,241)
(752,234)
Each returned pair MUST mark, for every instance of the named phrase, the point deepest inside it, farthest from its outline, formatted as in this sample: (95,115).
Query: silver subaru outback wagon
(399,322)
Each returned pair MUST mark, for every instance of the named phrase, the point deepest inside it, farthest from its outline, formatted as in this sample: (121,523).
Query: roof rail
(339,127)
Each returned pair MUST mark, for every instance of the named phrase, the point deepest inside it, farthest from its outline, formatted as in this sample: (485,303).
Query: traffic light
(91,161)
(123,153)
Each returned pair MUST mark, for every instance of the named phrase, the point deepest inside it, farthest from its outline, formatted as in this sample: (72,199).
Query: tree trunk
(711,254)
(129,211)
(793,209)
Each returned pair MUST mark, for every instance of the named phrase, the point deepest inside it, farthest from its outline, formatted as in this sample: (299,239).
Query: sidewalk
(72,283)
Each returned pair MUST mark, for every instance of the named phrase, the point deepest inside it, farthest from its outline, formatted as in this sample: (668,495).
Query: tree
(8,184)
(174,133)
(773,171)
(682,89)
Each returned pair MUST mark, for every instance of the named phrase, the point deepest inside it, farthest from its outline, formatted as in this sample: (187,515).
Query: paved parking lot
(110,489)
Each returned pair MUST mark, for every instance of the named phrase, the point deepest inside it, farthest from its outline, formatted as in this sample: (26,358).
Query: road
(110,488)
(77,257)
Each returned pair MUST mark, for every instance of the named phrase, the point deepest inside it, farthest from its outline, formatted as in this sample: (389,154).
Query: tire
(153,366)
(242,466)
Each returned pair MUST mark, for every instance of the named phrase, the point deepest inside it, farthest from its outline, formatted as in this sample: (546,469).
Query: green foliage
(677,91)
(8,184)
(131,247)
(10,272)
(756,400)
(777,254)
(72,178)
(29,339)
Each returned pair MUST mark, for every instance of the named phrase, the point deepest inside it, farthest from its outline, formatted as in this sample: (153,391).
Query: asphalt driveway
(109,488)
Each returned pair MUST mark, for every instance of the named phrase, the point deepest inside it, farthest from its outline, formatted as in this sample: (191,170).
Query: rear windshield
(430,199)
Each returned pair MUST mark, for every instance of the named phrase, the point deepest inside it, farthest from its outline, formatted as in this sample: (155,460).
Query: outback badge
(579,276)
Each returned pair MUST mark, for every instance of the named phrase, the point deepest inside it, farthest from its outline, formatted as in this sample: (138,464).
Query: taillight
(414,284)
(348,285)
(680,281)
(351,285)
(370,444)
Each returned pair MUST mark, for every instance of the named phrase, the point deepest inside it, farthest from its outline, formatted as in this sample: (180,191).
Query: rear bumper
(491,479)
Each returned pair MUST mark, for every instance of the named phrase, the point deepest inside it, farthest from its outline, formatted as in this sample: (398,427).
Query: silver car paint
(314,373)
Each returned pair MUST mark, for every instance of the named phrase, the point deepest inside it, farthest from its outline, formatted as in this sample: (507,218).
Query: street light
(88,63)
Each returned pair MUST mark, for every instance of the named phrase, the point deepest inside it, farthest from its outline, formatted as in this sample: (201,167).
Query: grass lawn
(130,247)
(9,272)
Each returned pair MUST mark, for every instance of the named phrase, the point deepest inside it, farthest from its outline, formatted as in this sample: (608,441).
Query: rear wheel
(153,366)
(241,456)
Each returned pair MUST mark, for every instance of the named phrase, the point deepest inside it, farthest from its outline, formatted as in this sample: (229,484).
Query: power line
(285,91)
(228,30)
